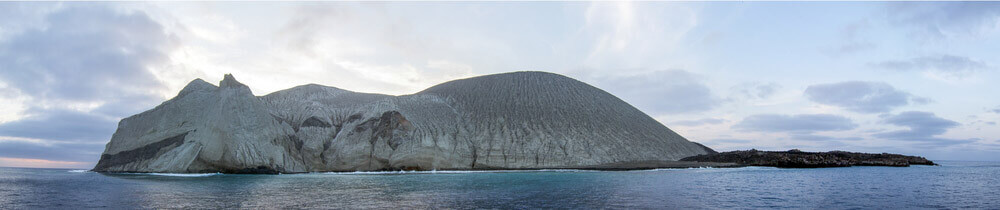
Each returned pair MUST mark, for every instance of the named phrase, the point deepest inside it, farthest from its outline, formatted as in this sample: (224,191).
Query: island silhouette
(516,120)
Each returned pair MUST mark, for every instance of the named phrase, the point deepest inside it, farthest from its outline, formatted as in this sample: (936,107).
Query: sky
(918,78)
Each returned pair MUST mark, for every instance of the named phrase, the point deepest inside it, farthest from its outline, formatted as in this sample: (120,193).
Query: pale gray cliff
(519,120)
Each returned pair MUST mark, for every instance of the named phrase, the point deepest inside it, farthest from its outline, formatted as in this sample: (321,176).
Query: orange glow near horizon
(41,163)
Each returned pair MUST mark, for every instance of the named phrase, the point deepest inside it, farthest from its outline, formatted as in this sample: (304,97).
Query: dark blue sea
(951,185)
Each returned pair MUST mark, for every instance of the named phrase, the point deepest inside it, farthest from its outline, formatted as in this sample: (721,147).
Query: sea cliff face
(519,120)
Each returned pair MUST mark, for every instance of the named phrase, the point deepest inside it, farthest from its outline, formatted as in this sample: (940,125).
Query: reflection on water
(954,185)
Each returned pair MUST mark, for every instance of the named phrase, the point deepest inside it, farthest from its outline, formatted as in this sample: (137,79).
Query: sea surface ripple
(955,184)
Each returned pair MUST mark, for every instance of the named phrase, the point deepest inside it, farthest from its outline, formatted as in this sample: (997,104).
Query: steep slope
(528,119)
(512,120)
(204,129)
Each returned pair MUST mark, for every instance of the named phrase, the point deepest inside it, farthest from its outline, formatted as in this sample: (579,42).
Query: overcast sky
(918,78)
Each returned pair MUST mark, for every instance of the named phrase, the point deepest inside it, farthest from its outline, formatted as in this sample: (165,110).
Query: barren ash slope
(518,120)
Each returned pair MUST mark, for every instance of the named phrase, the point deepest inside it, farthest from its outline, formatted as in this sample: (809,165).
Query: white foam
(668,169)
(745,168)
(181,175)
(80,171)
(453,172)
(698,169)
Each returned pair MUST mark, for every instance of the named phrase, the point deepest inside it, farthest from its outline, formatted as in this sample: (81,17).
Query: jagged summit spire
(229,81)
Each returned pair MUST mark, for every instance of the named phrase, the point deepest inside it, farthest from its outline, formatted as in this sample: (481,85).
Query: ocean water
(951,185)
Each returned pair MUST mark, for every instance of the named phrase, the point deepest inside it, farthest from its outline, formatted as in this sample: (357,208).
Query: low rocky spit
(799,159)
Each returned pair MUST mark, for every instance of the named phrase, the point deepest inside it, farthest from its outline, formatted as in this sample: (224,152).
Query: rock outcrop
(799,159)
(520,120)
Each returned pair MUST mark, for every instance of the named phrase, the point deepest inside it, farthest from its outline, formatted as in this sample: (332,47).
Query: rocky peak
(229,81)
(196,85)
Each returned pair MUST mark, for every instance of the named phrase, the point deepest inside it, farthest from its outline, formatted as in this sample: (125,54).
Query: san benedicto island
(517,120)
(510,121)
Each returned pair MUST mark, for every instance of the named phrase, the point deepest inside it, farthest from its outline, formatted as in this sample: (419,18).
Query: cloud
(61,125)
(15,16)
(662,92)
(56,135)
(396,49)
(41,163)
(633,35)
(852,39)
(754,90)
(813,137)
(86,54)
(729,141)
(766,90)
(860,96)
(996,110)
(803,123)
(698,122)
(62,151)
(923,126)
(946,19)
(798,127)
(127,105)
(90,57)
(956,66)
(938,143)
(85,68)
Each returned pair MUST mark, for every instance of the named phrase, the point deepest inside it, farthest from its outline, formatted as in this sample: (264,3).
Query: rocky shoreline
(799,159)
(623,166)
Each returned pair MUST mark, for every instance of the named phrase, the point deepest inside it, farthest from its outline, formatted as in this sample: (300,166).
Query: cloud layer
(86,54)
(803,123)
(922,126)
(63,126)
(947,19)
(955,66)
(69,71)
(663,92)
(89,66)
(861,96)
(698,122)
